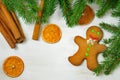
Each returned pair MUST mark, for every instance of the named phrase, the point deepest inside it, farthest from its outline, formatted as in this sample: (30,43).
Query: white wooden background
(45,61)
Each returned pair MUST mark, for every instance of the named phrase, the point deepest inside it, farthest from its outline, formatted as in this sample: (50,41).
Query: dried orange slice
(51,33)
(13,66)
(87,17)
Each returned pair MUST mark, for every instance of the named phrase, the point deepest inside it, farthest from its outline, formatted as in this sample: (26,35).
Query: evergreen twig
(78,8)
(108,27)
(105,6)
(112,53)
(95,1)
(27,9)
(107,66)
(66,9)
(72,13)
(116,11)
(48,9)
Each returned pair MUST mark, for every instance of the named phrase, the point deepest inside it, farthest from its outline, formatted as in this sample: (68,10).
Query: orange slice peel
(13,66)
(51,33)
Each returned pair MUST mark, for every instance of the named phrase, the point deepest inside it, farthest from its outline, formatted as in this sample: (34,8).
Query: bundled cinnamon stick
(36,31)
(9,18)
(10,26)
(19,27)
(6,35)
(5,25)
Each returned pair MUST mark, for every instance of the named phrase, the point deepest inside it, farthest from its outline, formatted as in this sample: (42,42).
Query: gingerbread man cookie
(88,48)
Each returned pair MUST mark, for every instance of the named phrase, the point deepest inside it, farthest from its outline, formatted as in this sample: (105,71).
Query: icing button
(90,45)
(86,54)
(88,49)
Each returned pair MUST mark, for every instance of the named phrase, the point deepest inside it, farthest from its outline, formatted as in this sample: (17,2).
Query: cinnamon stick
(0,1)
(13,27)
(18,26)
(6,26)
(10,26)
(6,36)
(36,31)
(8,31)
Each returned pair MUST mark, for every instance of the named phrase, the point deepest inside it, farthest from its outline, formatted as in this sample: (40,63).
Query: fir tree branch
(114,64)
(78,8)
(116,11)
(107,66)
(108,27)
(112,53)
(113,41)
(27,9)
(95,1)
(105,6)
(71,1)
(91,1)
(48,9)
(66,10)
(101,67)
(107,41)
(72,13)
(113,48)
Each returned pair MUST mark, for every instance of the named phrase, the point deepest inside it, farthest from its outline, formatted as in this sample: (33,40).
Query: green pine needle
(91,1)
(107,66)
(112,53)
(116,11)
(72,13)
(95,1)
(27,9)
(105,6)
(78,8)
(66,10)
(48,9)
(100,68)
(108,27)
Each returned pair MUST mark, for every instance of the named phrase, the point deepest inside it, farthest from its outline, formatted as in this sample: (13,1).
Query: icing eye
(98,33)
(92,30)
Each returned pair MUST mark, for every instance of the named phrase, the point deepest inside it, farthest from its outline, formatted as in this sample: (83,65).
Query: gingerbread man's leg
(92,62)
(76,59)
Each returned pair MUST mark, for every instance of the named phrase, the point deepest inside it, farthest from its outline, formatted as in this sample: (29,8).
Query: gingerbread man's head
(94,33)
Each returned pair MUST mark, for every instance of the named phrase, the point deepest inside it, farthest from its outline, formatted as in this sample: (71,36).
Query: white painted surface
(45,61)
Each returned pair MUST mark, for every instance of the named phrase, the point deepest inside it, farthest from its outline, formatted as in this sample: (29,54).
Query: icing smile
(93,38)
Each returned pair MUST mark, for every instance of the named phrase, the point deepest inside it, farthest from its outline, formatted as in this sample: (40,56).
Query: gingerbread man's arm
(79,40)
(100,48)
